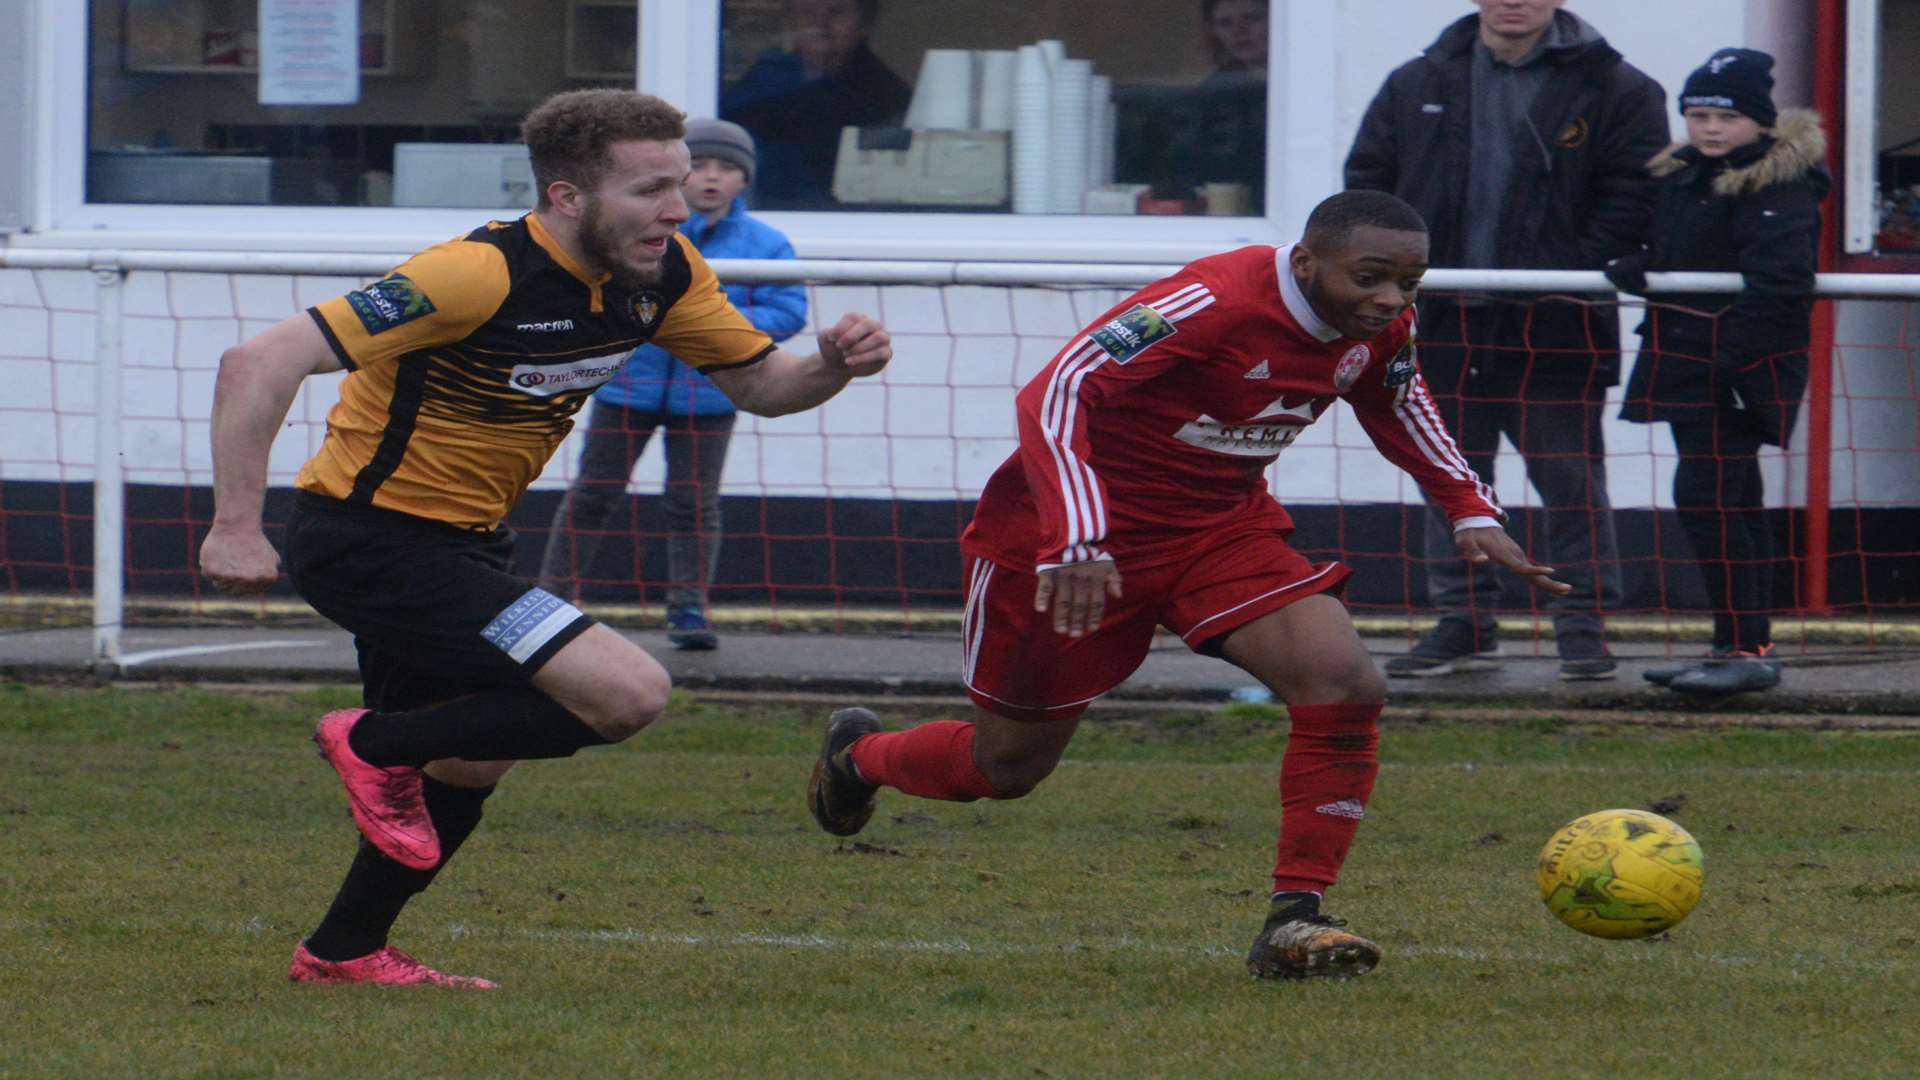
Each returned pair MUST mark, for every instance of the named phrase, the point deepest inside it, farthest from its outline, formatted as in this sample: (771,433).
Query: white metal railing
(110,267)
(929,272)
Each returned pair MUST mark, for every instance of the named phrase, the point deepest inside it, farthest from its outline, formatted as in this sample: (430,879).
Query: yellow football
(1621,874)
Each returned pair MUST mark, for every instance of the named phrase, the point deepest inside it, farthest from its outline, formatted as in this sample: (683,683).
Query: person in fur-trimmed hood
(1742,193)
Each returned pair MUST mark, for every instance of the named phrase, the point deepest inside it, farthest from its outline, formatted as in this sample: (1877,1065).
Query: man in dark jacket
(797,101)
(1521,136)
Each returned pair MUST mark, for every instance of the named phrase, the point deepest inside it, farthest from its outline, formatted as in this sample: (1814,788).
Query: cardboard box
(902,167)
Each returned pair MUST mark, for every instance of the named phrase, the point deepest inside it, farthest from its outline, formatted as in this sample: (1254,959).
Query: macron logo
(551,327)
(1346,808)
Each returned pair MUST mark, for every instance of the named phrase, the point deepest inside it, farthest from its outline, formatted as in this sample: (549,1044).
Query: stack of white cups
(999,68)
(1032,118)
(1068,135)
(1062,119)
(943,97)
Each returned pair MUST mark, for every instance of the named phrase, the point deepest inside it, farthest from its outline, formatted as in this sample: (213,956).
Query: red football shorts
(1016,666)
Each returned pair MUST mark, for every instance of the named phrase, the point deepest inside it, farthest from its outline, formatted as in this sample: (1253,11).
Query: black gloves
(1629,273)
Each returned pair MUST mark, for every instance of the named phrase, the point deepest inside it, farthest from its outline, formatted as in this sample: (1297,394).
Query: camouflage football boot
(1298,942)
(842,802)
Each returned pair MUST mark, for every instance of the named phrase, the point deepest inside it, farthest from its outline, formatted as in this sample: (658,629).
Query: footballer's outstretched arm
(784,382)
(1491,544)
(1400,417)
(256,386)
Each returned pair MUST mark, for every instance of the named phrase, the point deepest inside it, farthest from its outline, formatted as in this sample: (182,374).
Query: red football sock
(933,761)
(1325,779)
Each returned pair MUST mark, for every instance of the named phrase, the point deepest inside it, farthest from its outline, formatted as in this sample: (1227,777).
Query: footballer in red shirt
(1138,499)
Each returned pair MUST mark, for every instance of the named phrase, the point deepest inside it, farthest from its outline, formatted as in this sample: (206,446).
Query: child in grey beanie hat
(723,140)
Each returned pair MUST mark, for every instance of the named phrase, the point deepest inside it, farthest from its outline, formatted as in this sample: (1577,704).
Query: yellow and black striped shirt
(468,362)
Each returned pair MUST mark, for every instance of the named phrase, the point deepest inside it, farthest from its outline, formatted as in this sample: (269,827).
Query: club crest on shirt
(1128,334)
(392,301)
(1400,369)
(646,309)
(1351,365)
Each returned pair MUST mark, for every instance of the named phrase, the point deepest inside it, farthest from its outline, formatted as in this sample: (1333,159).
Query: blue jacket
(653,381)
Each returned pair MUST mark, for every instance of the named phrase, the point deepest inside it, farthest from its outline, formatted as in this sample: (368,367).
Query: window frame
(1298,123)
(1860,196)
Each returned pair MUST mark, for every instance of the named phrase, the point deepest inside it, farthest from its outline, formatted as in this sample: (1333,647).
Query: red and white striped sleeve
(1149,332)
(1400,417)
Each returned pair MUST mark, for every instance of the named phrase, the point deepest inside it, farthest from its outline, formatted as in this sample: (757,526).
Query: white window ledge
(1040,238)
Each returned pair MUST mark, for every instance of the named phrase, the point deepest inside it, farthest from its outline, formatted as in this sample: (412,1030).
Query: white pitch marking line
(959,947)
(134,659)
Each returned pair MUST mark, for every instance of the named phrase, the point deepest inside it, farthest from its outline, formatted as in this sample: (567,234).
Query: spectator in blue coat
(654,390)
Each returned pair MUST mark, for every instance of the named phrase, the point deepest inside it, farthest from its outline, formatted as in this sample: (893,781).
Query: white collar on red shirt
(1296,300)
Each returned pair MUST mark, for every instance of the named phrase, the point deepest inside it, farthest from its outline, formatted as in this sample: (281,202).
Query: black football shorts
(430,604)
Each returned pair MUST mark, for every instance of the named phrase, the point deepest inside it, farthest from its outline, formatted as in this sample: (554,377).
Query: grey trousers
(616,437)
(1561,444)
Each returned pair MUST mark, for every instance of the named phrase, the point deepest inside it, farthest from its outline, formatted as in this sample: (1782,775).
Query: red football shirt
(1158,422)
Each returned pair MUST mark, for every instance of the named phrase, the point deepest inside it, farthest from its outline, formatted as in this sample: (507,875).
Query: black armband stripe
(748,362)
(333,342)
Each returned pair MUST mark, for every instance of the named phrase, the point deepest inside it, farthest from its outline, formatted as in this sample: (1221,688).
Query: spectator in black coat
(795,101)
(1521,136)
(1742,193)
(1225,139)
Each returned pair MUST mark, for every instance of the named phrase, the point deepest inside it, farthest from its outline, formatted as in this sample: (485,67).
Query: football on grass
(1621,874)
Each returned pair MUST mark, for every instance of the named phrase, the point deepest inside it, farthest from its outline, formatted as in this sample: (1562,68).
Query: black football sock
(376,887)
(1290,904)
(500,725)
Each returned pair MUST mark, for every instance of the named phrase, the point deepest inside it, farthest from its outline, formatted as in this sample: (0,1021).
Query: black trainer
(1734,675)
(1664,676)
(1298,942)
(842,802)
(1450,648)
(1584,656)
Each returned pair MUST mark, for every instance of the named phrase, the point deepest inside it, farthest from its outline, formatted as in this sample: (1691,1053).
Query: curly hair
(568,134)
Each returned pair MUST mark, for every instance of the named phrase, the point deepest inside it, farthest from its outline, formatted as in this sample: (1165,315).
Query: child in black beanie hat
(1740,80)
(1742,193)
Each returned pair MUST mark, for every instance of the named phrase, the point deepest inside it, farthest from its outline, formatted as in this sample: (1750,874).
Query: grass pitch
(667,908)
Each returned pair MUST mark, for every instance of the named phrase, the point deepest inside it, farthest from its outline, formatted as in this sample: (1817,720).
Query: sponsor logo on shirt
(389,302)
(1400,369)
(546,380)
(1263,435)
(1347,372)
(551,326)
(1239,440)
(1129,333)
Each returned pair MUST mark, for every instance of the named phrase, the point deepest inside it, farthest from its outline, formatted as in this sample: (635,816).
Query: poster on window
(309,52)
